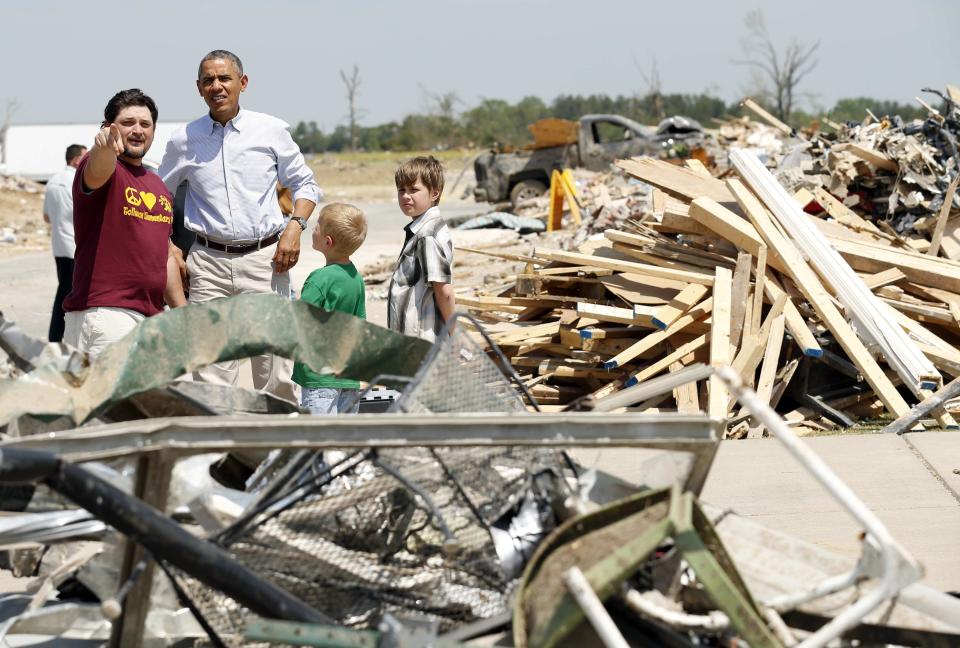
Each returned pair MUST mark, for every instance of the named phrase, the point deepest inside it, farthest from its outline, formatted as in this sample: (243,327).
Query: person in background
(58,213)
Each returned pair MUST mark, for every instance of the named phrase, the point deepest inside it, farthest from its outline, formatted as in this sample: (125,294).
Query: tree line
(499,123)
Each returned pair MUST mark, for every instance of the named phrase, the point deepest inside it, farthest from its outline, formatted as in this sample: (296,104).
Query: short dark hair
(74,151)
(126,98)
(226,55)
(425,168)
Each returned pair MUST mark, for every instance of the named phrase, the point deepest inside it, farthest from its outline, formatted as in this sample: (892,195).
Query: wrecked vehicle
(593,143)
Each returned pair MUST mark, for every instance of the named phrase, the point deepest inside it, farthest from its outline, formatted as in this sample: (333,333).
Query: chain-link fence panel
(435,533)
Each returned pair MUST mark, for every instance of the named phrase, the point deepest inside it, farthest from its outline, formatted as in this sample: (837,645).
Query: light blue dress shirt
(232,174)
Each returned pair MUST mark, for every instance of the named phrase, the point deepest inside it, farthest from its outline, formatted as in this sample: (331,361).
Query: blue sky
(63,59)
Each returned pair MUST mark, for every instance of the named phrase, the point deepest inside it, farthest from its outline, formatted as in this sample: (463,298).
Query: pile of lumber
(716,271)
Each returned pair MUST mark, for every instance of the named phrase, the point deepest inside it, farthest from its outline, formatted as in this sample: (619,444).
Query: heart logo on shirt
(148,199)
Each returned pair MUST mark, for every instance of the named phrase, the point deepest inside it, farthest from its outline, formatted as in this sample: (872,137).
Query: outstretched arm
(102,163)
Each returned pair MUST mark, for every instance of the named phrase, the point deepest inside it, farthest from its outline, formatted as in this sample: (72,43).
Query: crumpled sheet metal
(185,339)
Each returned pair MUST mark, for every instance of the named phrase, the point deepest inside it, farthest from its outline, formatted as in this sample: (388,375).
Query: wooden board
(720,343)
(931,271)
(809,284)
(874,157)
(680,304)
(675,180)
(768,371)
(626,266)
(696,313)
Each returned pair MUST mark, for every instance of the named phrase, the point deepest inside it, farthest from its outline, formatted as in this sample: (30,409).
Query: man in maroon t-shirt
(122,218)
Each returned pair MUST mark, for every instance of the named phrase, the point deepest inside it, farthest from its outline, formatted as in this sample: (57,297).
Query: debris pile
(453,516)
(805,293)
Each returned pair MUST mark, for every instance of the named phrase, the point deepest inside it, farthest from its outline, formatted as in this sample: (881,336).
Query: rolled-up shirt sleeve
(437,264)
(293,171)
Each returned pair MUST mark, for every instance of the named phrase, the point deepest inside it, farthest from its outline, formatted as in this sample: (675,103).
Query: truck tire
(525,190)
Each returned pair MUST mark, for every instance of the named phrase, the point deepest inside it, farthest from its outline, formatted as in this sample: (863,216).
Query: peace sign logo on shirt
(132,196)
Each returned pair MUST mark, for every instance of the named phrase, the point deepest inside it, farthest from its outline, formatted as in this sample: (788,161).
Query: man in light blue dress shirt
(231,160)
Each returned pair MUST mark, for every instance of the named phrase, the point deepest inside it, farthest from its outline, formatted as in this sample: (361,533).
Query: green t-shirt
(337,287)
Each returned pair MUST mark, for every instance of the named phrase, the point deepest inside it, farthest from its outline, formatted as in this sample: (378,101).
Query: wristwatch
(302,222)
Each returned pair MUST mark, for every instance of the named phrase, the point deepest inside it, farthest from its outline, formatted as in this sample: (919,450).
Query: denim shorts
(327,400)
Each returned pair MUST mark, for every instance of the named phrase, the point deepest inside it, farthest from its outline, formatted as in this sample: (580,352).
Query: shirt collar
(417,223)
(236,121)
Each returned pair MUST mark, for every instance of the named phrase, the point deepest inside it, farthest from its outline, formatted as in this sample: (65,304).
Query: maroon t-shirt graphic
(121,230)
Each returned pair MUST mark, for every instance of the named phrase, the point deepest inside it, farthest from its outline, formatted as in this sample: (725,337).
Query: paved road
(908,482)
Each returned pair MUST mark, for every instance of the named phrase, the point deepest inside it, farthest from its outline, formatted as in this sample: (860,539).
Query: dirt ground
(21,215)
(364,177)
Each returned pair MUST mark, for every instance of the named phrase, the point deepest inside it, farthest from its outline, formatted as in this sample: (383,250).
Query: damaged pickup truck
(594,144)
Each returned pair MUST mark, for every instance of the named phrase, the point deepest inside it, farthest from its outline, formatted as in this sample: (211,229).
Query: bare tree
(654,87)
(781,71)
(353,84)
(12,106)
(442,104)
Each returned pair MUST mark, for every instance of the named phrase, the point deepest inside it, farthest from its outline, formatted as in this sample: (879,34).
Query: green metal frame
(695,538)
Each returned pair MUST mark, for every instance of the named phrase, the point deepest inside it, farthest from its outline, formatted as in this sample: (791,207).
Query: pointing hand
(109,138)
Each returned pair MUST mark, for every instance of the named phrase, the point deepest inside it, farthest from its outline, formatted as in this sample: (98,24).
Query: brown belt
(246,248)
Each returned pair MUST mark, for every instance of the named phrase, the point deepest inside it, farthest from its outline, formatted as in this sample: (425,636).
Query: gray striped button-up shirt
(427,256)
(232,172)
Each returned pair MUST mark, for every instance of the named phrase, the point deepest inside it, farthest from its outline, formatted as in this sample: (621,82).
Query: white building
(36,151)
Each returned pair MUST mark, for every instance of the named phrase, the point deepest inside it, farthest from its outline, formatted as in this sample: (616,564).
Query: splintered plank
(874,157)
(934,248)
(751,352)
(720,342)
(759,275)
(839,211)
(680,304)
(811,287)
(626,266)
(768,371)
(696,313)
(740,292)
(685,395)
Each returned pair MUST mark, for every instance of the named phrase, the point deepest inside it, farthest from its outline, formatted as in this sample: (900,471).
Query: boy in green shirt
(340,230)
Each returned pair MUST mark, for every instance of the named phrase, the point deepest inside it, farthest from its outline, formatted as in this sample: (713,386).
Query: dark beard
(133,155)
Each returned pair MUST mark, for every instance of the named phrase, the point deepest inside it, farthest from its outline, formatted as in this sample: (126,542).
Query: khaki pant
(215,274)
(93,329)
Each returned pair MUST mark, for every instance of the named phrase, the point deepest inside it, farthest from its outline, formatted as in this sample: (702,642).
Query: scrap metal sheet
(185,339)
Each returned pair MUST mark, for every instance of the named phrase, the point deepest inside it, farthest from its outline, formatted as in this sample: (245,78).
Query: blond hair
(425,168)
(345,224)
